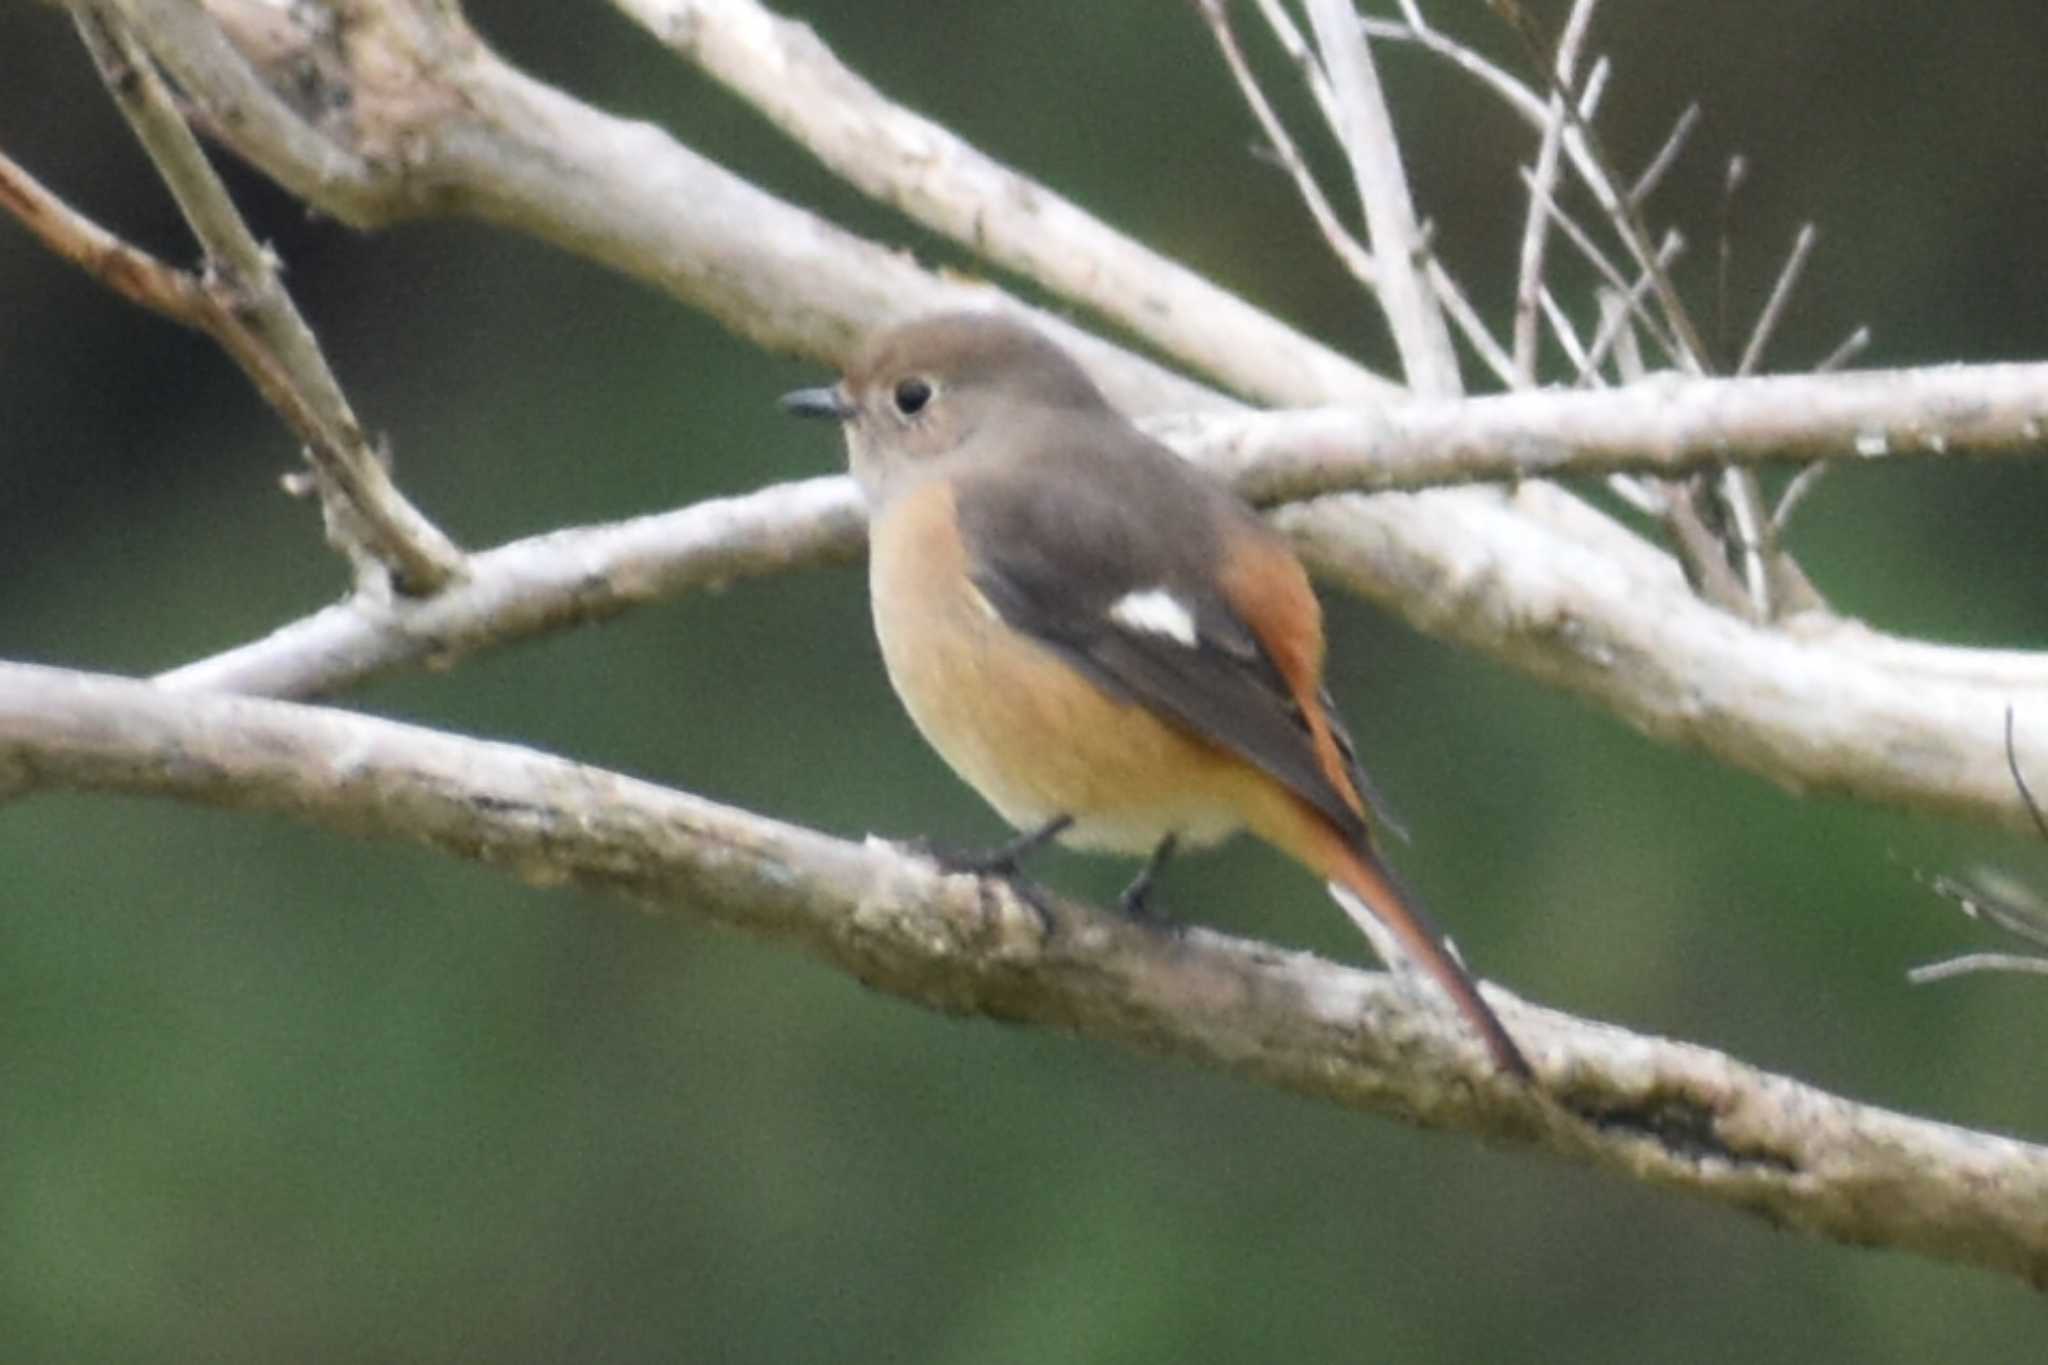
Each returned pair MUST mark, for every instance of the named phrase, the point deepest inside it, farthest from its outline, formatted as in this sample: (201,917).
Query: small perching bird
(1106,644)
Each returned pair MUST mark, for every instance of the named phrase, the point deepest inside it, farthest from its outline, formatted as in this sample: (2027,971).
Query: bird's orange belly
(1018,723)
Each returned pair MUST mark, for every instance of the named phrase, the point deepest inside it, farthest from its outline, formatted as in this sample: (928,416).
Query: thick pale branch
(1667,1113)
(447,127)
(263,126)
(1815,708)
(897,156)
(547,583)
(1667,425)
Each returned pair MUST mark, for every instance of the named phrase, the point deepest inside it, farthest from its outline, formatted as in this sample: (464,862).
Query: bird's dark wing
(1139,607)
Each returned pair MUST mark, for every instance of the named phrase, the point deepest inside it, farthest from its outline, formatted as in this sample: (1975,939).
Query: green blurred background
(269,1094)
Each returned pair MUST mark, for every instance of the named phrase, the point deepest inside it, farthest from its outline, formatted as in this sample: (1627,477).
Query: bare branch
(1853,345)
(1667,424)
(1535,235)
(1609,271)
(1512,92)
(1365,130)
(1596,86)
(1732,180)
(1567,335)
(1469,324)
(928,172)
(1669,1113)
(236,99)
(1796,492)
(1594,169)
(1303,58)
(1781,294)
(128,270)
(547,583)
(1666,157)
(2019,782)
(1348,249)
(2003,902)
(2000,901)
(1742,503)
(1970,963)
(1543,188)
(253,318)
(1617,310)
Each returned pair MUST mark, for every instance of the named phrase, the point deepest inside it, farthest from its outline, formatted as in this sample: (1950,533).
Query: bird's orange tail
(1365,886)
(1361,875)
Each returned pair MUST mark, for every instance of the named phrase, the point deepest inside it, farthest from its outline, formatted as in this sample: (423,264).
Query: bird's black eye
(911,396)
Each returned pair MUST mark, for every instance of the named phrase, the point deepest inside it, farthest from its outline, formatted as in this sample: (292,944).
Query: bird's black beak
(823,402)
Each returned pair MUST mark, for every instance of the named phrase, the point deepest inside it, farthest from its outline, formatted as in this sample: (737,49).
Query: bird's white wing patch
(1155,611)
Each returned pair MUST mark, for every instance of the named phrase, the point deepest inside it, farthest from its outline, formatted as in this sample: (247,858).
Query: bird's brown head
(927,389)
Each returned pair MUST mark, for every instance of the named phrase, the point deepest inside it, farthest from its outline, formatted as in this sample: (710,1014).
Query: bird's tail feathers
(1403,934)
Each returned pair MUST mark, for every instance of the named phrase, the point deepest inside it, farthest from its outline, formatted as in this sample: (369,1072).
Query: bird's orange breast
(1018,723)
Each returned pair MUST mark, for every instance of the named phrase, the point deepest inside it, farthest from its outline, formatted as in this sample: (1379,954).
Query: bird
(1103,641)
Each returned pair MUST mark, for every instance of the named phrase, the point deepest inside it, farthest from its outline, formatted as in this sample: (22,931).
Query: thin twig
(1596,86)
(1626,218)
(1519,97)
(2000,902)
(1302,57)
(1626,306)
(1781,294)
(128,270)
(1610,272)
(1853,345)
(1349,250)
(1742,499)
(1667,156)
(1529,272)
(367,516)
(1808,478)
(1365,131)
(1732,180)
(1567,335)
(1470,325)
(2019,779)
(1977,962)
(1796,491)
(1700,552)
(1535,224)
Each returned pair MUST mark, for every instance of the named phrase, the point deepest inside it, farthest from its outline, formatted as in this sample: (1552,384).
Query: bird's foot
(1137,902)
(1005,862)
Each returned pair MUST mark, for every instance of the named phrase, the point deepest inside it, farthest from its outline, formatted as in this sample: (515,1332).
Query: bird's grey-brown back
(1018,427)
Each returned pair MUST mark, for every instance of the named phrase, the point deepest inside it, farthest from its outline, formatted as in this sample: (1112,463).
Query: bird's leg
(1136,900)
(1006,859)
